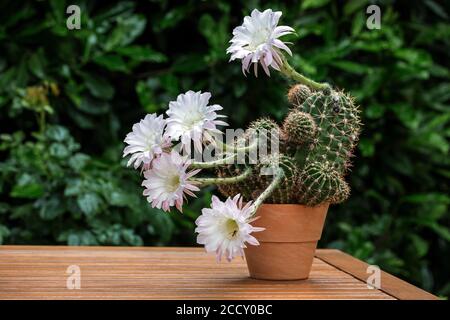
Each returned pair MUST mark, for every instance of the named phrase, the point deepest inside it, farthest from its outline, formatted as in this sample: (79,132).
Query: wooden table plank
(391,285)
(39,272)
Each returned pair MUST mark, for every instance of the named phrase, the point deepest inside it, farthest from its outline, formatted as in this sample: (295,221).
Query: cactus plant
(303,161)
(318,136)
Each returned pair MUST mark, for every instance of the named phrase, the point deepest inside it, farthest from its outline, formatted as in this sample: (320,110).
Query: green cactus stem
(213,164)
(254,186)
(235,148)
(266,124)
(225,160)
(322,183)
(299,127)
(338,125)
(290,72)
(217,181)
(316,143)
(298,93)
(278,177)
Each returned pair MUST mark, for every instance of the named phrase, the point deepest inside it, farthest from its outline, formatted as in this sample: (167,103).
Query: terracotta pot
(288,244)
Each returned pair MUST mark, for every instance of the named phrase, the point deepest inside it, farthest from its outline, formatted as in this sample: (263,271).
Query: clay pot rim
(287,223)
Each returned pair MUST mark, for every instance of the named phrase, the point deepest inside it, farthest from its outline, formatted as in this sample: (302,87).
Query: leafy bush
(68,97)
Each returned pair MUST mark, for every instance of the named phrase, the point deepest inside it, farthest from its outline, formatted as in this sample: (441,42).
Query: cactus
(252,187)
(299,127)
(303,160)
(320,183)
(298,93)
(316,142)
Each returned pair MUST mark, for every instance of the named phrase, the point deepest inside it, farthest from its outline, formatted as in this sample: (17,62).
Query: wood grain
(39,272)
(391,285)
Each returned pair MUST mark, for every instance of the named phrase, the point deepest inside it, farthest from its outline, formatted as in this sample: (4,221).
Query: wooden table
(39,272)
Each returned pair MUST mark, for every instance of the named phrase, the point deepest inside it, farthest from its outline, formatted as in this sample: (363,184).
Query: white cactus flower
(256,40)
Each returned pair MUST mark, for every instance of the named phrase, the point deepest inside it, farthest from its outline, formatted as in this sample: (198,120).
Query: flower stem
(272,186)
(287,70)
(227,180)
(211,164)
(233,148)
(220,162)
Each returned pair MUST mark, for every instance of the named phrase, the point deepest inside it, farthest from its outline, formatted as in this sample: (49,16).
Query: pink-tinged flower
(167,182)
(225,227)
(256,40)
(146,141)
(192,120)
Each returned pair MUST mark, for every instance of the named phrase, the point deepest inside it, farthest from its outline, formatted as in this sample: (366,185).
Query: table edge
(390,284)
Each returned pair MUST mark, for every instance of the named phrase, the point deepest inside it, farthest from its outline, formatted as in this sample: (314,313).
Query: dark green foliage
(132,58)
(58,194)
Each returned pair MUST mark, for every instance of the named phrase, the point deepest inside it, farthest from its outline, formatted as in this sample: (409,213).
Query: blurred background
(68,98)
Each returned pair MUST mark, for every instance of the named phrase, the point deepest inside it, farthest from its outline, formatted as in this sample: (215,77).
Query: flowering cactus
(308,156)
(316,143)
